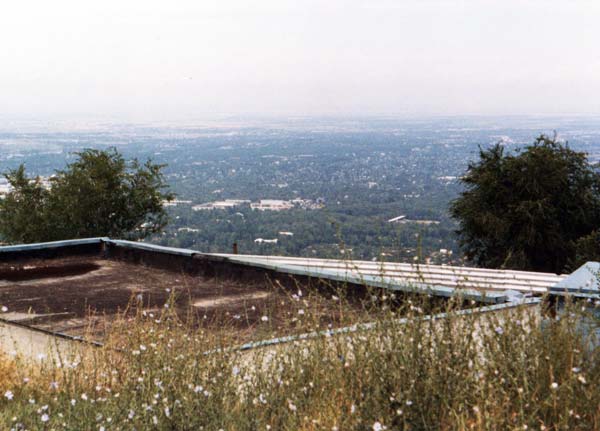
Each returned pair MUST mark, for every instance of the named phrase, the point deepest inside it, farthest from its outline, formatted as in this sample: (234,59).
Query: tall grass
(504,370)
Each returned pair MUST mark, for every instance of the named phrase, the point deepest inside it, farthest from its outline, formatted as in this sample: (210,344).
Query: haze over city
(156,60)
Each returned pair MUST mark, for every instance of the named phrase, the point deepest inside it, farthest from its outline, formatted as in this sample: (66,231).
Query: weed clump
(503,370)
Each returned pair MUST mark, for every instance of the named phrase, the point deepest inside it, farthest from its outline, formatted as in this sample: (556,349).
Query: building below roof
(396,219)
(272,205)
(50,288)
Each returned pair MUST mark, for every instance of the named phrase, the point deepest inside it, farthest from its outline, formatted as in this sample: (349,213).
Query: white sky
(178,59)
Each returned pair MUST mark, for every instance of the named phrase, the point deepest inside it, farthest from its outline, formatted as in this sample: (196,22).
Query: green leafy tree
(99,194)
(23,211)
(527,210)
(587,249)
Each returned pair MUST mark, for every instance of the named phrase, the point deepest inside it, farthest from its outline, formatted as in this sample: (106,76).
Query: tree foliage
(527,210)
(99,194)
(587,248)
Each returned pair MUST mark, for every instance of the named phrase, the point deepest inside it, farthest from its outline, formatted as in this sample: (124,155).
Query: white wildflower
(8,395)
(45,417)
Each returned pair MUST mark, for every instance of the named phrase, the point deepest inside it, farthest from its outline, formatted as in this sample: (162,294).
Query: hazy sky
(177,59)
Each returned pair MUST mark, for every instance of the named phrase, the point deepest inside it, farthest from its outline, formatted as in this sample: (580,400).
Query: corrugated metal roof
(404,275)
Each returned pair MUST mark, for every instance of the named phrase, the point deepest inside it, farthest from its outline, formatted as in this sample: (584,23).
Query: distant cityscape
(368,188)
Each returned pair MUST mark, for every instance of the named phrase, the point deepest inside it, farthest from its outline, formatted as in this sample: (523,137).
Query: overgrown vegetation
(99,194)
(476,371)
(528,210)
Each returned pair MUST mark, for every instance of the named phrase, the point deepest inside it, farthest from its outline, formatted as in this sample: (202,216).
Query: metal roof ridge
(366,262)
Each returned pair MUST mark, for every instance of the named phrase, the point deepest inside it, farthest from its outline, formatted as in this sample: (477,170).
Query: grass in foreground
(483,371)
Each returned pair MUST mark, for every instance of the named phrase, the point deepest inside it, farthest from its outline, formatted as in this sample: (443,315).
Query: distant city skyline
(168,61)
